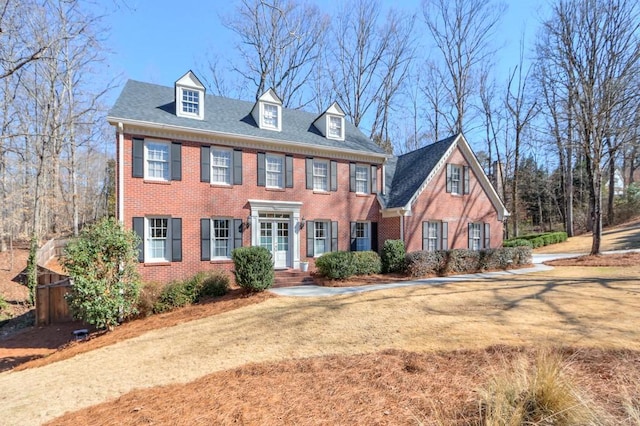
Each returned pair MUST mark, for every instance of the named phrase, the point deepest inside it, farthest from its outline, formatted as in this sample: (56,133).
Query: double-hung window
(157,239)
(191,101)
(320,175)
(475,236)
(157,160)
(322,244)
(362,179)
(221,238)
(432,236)
(455,180)
(435,235)
(160,238)
(270,116)
(274,168)
(335,127)
(221,166)
(362,236)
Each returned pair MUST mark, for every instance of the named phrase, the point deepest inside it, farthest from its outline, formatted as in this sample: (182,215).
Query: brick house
(198,175)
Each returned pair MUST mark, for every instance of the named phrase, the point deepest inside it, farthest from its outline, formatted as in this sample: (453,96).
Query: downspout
(120,186)
(402,212)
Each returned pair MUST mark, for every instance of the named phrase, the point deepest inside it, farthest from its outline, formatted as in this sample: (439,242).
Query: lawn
(414,355)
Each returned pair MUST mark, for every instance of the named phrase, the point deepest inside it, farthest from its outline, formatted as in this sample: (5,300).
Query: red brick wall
(192,200)
(458,211)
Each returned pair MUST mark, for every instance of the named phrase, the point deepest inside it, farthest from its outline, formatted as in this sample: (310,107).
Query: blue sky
(158,41)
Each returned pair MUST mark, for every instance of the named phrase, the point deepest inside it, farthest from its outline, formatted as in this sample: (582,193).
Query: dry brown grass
(566,306)
(622,237)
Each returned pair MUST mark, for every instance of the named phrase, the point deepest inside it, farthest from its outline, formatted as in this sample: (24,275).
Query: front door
(274,236)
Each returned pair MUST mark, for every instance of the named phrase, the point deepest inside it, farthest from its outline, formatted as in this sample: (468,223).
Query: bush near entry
(253,268)
(340,265)
(393,254)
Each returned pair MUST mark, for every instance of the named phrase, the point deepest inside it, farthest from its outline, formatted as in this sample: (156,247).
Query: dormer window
(331,123)
(267,112)
(270,116)
(190,101)
(335,127)
(190,97)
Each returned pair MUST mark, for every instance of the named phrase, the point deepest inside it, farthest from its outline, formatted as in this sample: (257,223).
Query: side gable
(407,183)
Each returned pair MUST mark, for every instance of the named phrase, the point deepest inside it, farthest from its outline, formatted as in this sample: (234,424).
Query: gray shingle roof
(156,104)
(407,172)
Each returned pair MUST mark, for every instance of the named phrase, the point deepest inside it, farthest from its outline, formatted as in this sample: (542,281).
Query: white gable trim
(460,142)
(189,82)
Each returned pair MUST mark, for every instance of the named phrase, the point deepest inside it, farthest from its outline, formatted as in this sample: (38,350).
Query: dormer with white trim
(267,111)
(190,97)
(331,122)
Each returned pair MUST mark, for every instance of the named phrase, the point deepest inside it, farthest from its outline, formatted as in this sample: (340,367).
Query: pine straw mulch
(611,260)
(391,387)
(38,346)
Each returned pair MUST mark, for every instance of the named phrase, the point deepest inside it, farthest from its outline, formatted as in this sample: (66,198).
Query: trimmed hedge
(536,240)
(340,265)
(253,268)
(444,262)
(393,254)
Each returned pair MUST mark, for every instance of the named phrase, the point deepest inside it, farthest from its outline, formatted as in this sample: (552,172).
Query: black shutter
(353,245)
(138,158)
(469,236)
(237,233)
(374,236)
(448,177)
(176,239)
(352,177)
(205,164)
(334,236)
(309,172)
(425,235)
(138,228)
(205,239)
(311,229)
(262,174)
(487,236)
(288,169)
(374,179)
(237,167)
(465,172)
(445,236)
(176,161)
(333,179)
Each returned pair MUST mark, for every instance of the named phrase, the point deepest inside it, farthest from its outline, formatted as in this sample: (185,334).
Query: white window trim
(230,238)
(263,124)
(480,228)
(145,159)
(147,237)
(327,237)
(458,190)
(367,228)
(230,152)
(179,106)
(327,163)
(367,181)
(331,136)
(282,171)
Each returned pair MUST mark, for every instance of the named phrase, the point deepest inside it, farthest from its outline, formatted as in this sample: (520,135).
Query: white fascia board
(396,212)
(244,141)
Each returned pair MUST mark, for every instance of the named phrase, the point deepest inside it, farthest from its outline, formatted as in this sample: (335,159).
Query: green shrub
(215,284)
(103,265)
(366,262)
(393,256)
(423,263)
(517,242)
(253,268)
(149,296)
(336,265)
(443,262)
(175,295)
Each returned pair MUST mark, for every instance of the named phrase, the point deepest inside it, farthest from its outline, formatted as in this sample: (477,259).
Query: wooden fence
(51,306)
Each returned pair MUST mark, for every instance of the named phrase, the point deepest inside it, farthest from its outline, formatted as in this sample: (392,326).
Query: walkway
(538,266)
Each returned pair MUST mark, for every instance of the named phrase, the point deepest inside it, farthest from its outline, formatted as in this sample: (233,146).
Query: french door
(274,236)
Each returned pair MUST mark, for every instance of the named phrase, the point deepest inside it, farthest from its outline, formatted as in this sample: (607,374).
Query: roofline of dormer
(169,131)
(202,87)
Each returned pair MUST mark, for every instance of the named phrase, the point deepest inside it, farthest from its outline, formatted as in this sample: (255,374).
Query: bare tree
(461,31)
(522,109)
(279,42)
(599,53)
